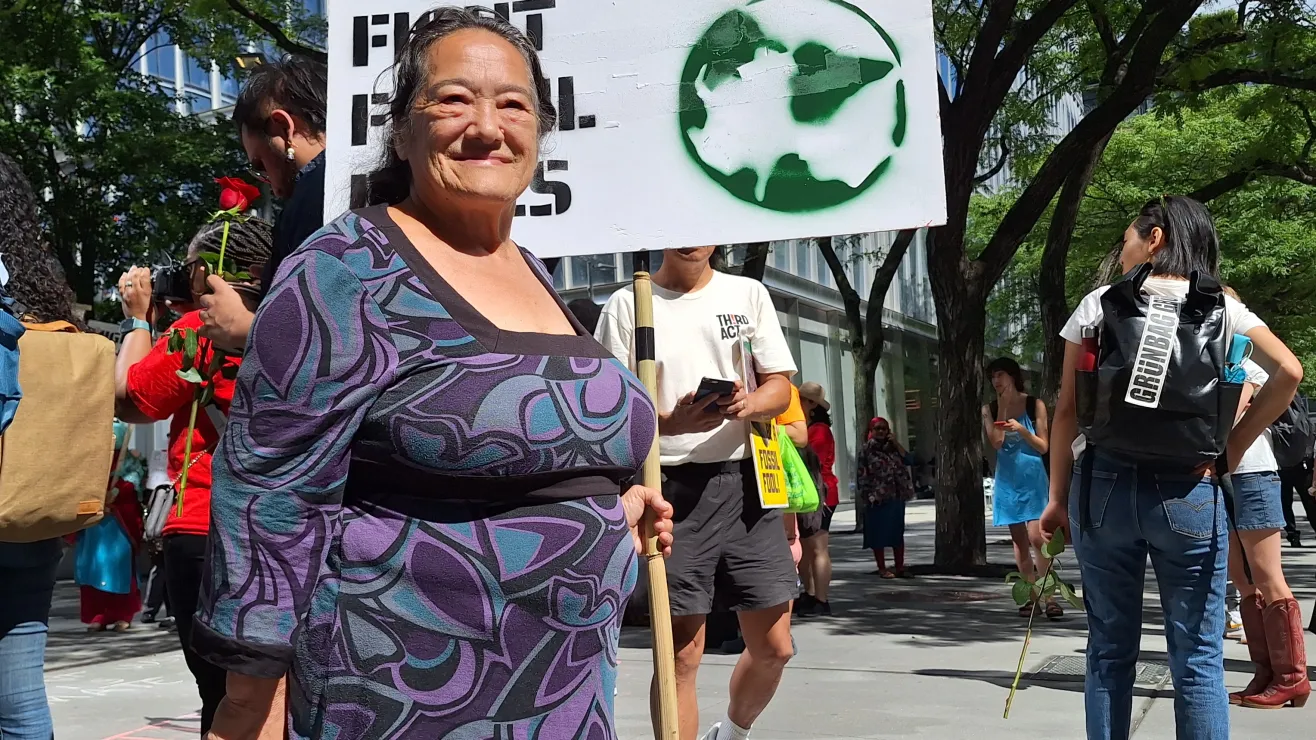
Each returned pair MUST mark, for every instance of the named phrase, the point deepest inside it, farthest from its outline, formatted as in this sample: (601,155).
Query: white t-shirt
(1260,457)
(1238,318)
(696,336)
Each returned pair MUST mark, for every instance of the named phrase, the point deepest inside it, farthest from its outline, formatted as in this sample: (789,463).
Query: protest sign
(689,123)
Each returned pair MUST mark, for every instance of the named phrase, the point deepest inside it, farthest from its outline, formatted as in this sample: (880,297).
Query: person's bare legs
(1040,561)
(768,648)
(688,636)
(821,574)
(1023,551)
(1262,548)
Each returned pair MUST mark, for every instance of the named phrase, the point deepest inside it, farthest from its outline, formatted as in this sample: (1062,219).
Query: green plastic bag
(800,490)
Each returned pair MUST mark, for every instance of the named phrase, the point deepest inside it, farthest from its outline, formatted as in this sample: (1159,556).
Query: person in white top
(1126,510)
(1256,537)
(723,536)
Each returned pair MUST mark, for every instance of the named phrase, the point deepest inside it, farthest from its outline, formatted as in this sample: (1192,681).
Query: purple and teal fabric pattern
(417,515)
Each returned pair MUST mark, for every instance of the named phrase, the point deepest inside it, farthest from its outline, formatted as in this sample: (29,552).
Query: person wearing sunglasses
(280,115)
(148,389)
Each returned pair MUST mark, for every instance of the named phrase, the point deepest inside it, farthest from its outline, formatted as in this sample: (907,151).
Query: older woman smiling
(425,516)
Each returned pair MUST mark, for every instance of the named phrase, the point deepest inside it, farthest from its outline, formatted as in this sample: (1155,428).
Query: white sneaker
(1234,625)
(713,732)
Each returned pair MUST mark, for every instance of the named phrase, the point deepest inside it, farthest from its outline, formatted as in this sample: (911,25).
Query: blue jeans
(24,713)
(1179,520)
(28,574)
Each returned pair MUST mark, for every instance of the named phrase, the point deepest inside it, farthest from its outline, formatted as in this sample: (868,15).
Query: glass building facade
(199,86)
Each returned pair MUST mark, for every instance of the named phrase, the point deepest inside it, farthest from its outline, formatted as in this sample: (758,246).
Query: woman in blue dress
(1016,426)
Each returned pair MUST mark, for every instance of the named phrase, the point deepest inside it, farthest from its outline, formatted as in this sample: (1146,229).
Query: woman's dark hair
(1191,244)
(36,279)
(250,243)
(1009,367)
(294,84)
(820,415)
(390,184)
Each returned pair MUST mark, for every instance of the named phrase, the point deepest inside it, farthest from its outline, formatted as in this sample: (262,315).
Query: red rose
(235,193)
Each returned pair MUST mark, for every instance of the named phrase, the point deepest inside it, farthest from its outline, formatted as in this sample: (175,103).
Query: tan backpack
(55,457)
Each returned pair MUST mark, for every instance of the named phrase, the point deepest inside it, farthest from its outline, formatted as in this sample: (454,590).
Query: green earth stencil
(842,109)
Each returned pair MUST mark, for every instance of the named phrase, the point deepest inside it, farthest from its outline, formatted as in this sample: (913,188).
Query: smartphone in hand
(714,387)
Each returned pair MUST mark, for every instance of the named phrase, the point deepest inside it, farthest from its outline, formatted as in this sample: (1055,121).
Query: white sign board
(691,122)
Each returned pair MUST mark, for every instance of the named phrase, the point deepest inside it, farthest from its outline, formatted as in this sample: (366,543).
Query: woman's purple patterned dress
(418,517)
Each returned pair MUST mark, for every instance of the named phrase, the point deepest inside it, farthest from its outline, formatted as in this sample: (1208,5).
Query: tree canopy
(124,177)
(1247,153)
(1013,60)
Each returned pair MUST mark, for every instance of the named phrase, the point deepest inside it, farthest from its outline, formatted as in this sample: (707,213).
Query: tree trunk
(961,540)
(1051,283)
(865,374)
(961,533)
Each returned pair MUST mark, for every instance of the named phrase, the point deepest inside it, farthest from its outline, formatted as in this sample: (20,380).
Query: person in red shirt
(816,564)
(148,388)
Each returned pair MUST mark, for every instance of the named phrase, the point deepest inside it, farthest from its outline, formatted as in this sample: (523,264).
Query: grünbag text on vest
(1155,348)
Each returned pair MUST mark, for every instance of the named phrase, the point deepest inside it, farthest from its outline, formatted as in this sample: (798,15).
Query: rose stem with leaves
(187,457)
(1052,550)
(1028,638)
(196,399)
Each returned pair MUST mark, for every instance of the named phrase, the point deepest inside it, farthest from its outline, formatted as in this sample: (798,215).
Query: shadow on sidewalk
(1003,679)
(933,610)
(70,648)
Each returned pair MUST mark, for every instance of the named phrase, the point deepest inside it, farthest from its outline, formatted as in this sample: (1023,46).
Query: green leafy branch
(1043,591)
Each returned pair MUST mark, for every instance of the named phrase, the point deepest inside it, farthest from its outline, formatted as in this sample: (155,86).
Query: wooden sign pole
(660,610)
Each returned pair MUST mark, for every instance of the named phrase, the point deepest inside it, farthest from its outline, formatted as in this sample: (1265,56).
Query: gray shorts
(726,544)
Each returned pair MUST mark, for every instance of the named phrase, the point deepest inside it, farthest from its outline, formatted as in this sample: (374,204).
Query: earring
(292,154)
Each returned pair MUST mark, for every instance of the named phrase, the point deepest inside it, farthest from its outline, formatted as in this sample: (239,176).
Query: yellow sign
(767,464)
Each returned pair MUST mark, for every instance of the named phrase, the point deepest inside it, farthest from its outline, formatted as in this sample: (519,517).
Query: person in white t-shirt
(1173,514)
(1259,519)
(724,538)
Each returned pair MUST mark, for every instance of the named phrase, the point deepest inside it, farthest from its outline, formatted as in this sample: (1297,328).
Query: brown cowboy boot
(1288,658)
(1255,631)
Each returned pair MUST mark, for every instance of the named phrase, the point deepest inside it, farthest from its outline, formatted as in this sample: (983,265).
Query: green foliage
(127,179)
(1267,224)
(1013,305)
(126,176)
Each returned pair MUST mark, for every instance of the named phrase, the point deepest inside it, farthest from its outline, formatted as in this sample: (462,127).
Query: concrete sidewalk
(934,657)
(926,658)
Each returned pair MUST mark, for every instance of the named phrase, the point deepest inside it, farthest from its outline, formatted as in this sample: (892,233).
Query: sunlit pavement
(931,657)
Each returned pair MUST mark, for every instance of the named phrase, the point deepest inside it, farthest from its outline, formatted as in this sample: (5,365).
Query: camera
(174,282)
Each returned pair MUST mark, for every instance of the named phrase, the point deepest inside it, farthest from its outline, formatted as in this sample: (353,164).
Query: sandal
(122,626)
(96,627)
(1026,610)
(1053,611)
(884,573)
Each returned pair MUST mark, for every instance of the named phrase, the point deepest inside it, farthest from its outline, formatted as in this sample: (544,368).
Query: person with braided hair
(148,388)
